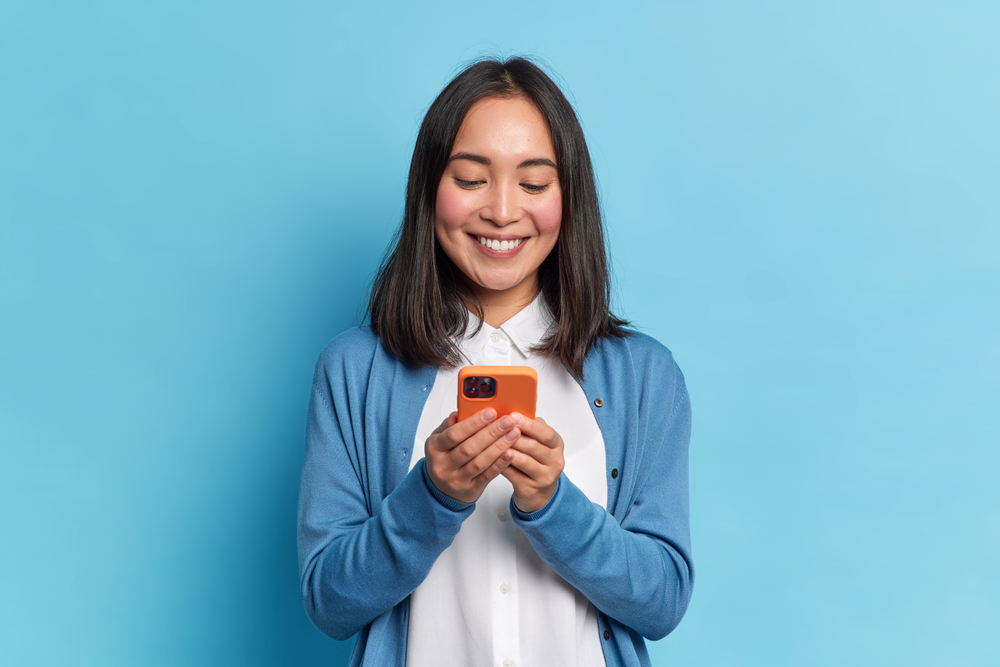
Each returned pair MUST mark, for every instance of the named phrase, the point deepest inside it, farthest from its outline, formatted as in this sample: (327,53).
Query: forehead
(498,127)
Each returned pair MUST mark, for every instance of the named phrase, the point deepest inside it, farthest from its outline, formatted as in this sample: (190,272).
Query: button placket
(502,572)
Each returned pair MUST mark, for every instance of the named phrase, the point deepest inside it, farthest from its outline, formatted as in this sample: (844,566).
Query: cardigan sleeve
(360,554)
(638,571)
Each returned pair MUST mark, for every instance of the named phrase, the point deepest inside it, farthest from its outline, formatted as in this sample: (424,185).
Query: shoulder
(357,354)
(647,356)
(348,358)
(351,346)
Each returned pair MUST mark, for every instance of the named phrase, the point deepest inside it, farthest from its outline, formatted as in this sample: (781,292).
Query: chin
(497,283)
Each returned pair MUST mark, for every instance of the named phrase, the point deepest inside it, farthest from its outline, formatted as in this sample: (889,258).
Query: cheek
(548,216)
(451,208)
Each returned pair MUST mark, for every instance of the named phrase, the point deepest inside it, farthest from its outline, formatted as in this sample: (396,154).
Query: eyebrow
(534,162)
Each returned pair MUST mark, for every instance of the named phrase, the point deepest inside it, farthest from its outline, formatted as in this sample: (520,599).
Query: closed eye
(534,189)
(468,184)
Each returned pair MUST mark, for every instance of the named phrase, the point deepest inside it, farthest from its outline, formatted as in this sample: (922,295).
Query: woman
(511,541)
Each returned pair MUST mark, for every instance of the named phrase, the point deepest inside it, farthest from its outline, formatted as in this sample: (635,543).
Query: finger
(527,465)
(515,476)
(494,469)
(501,429)
(542,453)
(538,430)
(460,431)
(488,456)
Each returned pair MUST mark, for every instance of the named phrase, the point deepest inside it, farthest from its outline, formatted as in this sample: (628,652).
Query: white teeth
(499,245)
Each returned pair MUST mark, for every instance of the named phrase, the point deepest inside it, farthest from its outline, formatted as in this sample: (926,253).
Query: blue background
(802,202)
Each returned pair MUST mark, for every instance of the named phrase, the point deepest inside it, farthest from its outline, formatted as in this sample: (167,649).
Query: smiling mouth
(497,244)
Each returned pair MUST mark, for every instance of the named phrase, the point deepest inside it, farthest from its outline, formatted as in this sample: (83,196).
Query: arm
(637,572)
(360,554)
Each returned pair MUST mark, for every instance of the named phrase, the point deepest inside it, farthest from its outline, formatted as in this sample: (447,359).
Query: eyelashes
(528,187)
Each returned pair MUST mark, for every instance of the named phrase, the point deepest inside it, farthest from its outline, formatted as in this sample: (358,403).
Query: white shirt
(489,599)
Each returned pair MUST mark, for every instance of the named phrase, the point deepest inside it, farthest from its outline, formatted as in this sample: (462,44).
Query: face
(499,203)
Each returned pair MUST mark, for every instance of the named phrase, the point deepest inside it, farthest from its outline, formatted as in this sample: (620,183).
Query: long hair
(418,303)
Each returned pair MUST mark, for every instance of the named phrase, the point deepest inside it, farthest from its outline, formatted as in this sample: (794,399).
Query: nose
(502,206)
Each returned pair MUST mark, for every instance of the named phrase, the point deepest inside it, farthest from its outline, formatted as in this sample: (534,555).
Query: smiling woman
(513,541)
(499,204)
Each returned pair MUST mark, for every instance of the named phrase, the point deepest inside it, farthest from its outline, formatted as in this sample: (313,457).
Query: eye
(534,189)
(468,184)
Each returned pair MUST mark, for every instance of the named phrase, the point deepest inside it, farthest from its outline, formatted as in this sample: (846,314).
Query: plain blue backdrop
(802,203)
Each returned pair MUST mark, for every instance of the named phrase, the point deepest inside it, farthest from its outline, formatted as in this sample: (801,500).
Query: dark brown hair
(418,299)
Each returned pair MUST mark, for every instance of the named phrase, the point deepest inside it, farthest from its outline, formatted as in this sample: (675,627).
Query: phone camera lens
(471,387)
(487,387)
(479,387)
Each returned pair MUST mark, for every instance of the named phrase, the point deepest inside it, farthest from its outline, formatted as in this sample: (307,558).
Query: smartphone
(504,388)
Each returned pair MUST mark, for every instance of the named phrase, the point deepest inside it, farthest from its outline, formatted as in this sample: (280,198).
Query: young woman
(505,541)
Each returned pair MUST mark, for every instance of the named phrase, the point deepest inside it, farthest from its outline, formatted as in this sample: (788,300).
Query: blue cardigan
(370,529)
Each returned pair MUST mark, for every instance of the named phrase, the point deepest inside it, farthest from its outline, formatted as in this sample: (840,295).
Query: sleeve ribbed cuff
(446,500)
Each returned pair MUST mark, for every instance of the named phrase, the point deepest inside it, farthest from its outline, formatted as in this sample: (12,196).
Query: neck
(501,305)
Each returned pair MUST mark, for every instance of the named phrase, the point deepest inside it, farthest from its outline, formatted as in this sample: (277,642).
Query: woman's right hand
(462,457)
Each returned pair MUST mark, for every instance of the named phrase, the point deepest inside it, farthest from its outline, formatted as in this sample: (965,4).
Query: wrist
(533,508)
(532,504)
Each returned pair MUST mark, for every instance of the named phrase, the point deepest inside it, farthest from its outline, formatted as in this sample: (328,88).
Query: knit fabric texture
(370,529)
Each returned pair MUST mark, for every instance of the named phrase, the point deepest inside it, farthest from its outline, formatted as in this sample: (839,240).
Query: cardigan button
(607,634)
(598,402)
(614,473)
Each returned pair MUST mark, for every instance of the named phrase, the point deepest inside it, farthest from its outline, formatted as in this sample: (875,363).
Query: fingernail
(489,414)
(506,422)
(507,456)
(512,435)
(518,418)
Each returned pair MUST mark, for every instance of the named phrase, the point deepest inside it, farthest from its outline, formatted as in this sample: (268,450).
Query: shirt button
(495,337)
(607,634)
(502,515)
(505,588)
(508,663)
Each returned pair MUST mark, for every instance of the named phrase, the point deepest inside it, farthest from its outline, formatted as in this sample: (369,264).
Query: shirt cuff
(539,513)
(446,500)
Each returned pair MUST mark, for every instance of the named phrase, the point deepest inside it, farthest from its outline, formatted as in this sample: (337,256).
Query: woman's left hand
(538,461)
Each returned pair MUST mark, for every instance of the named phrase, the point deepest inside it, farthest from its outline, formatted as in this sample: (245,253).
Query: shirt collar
(526,329)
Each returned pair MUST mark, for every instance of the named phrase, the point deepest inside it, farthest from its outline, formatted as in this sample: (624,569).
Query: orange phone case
(516,390)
